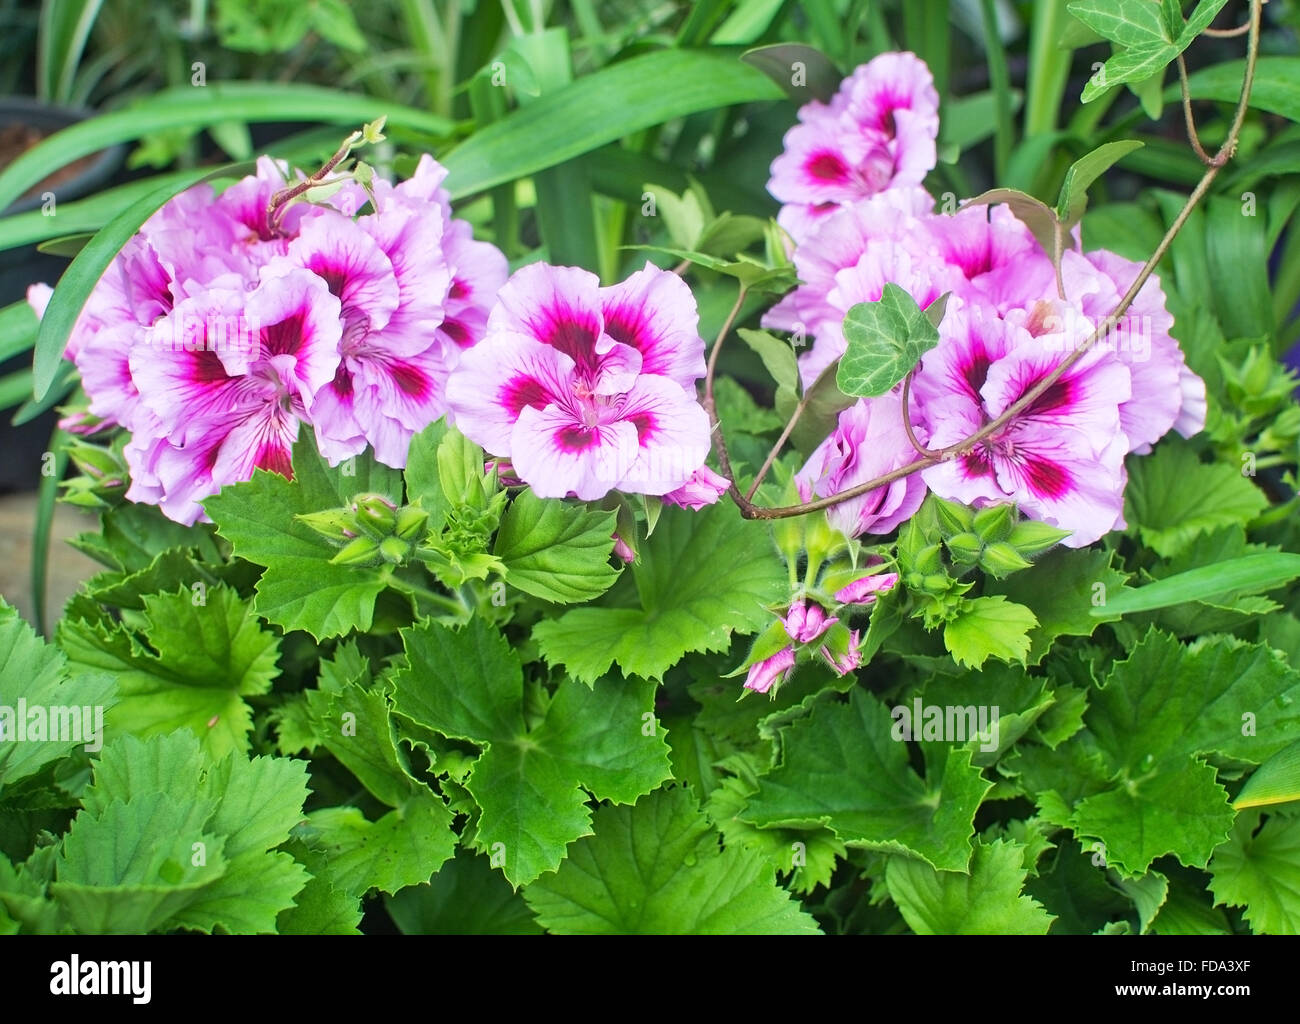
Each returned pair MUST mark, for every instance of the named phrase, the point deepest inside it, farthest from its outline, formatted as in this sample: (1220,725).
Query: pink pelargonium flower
(805,622)
(705,487)
(588,389)
(850,258)
(1167,394)
(1001,265)
(878,132)
(771,671)
(867,589)
(218,329)
(223,382)
(868,441)
(1061,460)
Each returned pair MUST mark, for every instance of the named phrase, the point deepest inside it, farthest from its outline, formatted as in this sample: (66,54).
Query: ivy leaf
(989,627)
(1258,868)
(1172,496)
(556,551)
(886,339)
(656,869)
(702,576)
(986,901)
(35,672)
(1159,714)
(300,589)
(468,685)
(842,768)
(465,897)
(188,666)
(1146,40)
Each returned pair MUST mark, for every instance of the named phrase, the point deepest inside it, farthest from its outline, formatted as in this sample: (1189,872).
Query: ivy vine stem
(1214,165)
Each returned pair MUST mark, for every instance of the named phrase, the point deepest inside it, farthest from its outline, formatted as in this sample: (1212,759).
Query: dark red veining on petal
(827,166)
(1047,479)
(524,391)
(576,439)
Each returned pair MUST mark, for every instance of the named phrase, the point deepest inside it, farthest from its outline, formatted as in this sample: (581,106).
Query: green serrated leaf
(843,768)
(1259,869)
(989,627)
(700,579)
(656,869)
(987,900)
(301,589)
(529,782)
(556,551)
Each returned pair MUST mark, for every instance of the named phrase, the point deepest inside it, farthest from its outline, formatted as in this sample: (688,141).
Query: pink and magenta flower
(1061,459)
(220,329)
(588,389)
(868,441)
(878,132)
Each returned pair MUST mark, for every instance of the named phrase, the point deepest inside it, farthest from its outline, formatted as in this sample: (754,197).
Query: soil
(16,138)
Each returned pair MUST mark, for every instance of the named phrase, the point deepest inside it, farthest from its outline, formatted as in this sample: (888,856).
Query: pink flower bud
(845,661)
(867,589)
(805,623)
(624,550)
(771,671)
(704,487)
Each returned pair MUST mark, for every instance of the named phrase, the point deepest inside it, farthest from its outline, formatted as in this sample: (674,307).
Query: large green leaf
(556,551)
(597,109)
(702,576)
(656,869)
(843,768)
(1259,869)
(984,901)
(300,588)
(1172,496)
(1160,713)
(468,684)
(37,674)
(200,662)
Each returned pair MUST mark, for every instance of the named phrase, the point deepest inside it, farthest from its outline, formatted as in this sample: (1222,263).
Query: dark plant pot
(48,119)
(21,267)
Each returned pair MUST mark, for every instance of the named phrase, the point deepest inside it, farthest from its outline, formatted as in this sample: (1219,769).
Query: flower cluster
(850,178)
(588,389)
(229,320)
(807,626)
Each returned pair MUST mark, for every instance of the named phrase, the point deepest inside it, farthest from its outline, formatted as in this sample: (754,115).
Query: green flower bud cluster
(371,529)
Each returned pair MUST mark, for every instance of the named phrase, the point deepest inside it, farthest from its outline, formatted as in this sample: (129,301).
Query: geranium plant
(883,562)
